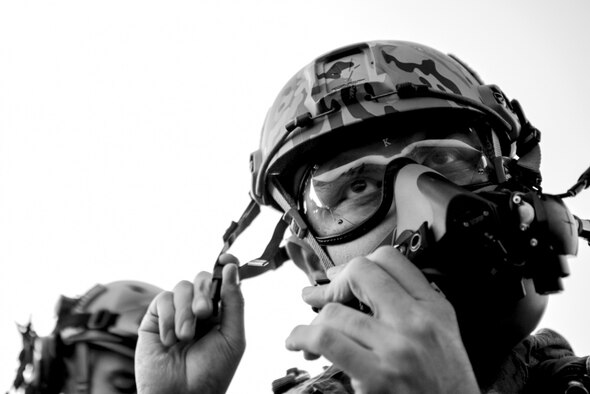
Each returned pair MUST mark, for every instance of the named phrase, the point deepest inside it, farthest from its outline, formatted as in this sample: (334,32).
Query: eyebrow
(370,161)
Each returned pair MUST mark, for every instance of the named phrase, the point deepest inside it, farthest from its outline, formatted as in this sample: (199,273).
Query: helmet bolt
(516,199)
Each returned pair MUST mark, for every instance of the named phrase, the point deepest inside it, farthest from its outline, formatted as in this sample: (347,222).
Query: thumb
(232,304)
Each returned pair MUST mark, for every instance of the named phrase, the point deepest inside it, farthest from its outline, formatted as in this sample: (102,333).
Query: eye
(440,157)
(124,383)
(358,186)
(361,187)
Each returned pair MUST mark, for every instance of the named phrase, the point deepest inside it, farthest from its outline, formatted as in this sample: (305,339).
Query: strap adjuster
(296,223)
(101,320)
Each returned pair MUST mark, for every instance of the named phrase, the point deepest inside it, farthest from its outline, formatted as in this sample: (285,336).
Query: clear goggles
(345,193)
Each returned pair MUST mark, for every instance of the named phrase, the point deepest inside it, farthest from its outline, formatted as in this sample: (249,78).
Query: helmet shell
(127,301)
(355,84)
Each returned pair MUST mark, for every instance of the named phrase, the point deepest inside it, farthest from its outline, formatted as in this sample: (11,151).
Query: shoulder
(543,362)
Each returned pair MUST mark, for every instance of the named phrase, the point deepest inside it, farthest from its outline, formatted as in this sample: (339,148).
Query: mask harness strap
(528,165)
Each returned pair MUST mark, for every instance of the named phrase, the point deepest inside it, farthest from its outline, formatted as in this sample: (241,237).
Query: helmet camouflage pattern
(107,316)
(362,82)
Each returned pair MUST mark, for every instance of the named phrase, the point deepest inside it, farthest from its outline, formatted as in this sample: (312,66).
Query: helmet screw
(533,242)
(516,199)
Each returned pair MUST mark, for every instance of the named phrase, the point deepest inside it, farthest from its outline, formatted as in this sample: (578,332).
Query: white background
(126,128)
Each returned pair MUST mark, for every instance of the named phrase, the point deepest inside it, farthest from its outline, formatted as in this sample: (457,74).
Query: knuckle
(163,298)
(357,268)
(362,322)
(183,286)
(203,277)
(324,338)
(356,264)
(420,322)
(330,310)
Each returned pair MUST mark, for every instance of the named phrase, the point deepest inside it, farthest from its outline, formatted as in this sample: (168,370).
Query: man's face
(110,373)
(344,191)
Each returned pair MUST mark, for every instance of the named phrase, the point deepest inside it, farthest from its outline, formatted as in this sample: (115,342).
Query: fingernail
(236,275)
(233,275)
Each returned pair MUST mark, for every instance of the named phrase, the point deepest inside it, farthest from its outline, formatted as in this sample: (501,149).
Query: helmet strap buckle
(101,319)
(296,223)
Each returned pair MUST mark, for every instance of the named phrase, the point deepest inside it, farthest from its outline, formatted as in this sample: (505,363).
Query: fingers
(365,280)
(184,319)
(162,309)
(381,279)
(150,321)
(367,331)
(202,305)
(232,304)
(334,345)
(186,311)
(405,273)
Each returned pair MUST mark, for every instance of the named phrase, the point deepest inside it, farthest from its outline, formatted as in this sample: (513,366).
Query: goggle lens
(342,193)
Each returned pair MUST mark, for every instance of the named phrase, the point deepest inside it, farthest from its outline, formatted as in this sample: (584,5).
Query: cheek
(364,245)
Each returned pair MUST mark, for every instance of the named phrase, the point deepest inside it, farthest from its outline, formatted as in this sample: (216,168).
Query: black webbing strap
(82,368)
(230,235)
(527,149)
(236,228)
(272,257)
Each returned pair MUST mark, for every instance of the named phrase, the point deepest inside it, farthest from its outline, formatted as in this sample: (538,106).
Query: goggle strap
(297,223)
(496,144)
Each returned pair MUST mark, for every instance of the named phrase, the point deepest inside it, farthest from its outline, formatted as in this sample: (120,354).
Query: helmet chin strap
(274,255)
(82,368)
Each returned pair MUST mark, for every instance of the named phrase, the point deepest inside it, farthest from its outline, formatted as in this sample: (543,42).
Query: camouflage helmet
(107,316)
(373,81)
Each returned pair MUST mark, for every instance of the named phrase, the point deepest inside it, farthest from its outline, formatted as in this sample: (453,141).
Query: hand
(410,345)
(182,348)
